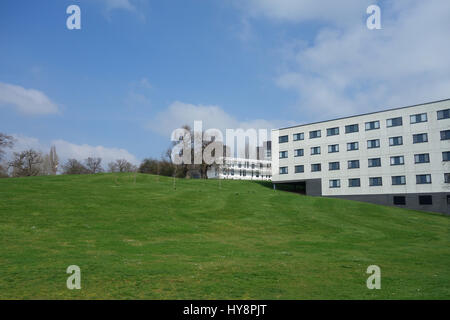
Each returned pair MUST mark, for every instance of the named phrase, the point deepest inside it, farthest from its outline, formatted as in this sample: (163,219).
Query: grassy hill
(210,240)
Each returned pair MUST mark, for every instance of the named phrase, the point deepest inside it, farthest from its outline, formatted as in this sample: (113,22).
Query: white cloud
(133,6)
(178,114)
(351,69)
(328,11)
(26,101)
(119,4)
(138,94)
(22,142)
(144,83)
(67,150)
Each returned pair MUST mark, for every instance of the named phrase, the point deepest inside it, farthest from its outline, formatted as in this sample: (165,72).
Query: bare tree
(149,166)
(121,165)
(26,163)
(3,171)
(45,165)
(73,166)
(5,142)
(53,160)
(197,169)
(112,167)
(94,165)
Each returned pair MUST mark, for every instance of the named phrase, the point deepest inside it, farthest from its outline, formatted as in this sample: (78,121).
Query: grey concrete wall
(314,187)
(412,201)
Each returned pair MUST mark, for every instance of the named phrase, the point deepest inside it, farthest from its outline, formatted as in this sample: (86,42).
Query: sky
(138,69)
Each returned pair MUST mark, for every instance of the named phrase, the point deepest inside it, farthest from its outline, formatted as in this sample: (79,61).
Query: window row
(244,173)
(247,165)
(374,162)
(422,199)
(371,144)
(370,125)
(378,181)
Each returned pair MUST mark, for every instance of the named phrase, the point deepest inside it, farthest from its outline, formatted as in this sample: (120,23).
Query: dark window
(423,178)
(374,162)
(314,134)
(447,177)
(283,170)
(316,167)
(425,200)
(283,154)
(351,128)
(336,183)
(315,150)
(399,200)
(398,180)
(334,166)
(448,200)
(299,169)
(298,153)
(352,146)
(416,118)
(376,181)
(375,143)
(299,136)
(422,158)
(355,182)
(395,141)
(333,148)
(397,160)
(446,156)
(372,125)
(445,135)
(443,114)
(283,139)
(333,131)
(394,122)
(420,137)
(353,164)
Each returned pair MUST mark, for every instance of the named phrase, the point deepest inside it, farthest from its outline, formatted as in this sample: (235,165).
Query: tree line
(34,162)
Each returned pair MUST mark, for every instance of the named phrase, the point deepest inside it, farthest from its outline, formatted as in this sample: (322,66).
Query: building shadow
(298,187)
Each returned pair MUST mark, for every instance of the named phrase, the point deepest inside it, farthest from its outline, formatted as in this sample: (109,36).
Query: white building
(394,157)
(245,168)
(241,169)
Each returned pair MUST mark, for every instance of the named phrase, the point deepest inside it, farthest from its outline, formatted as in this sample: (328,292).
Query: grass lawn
(210,240)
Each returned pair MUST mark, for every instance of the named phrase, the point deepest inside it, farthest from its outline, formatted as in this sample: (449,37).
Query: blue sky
(139,69)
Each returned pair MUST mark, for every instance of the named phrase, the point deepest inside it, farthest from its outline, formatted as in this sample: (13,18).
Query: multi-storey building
(393,157)
(241,169)
(245,168)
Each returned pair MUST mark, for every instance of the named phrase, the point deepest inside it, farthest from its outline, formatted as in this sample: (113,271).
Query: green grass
(237,240)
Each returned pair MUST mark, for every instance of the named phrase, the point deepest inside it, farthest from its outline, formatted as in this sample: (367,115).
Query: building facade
(245,168)
(394,157)
(241,169)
